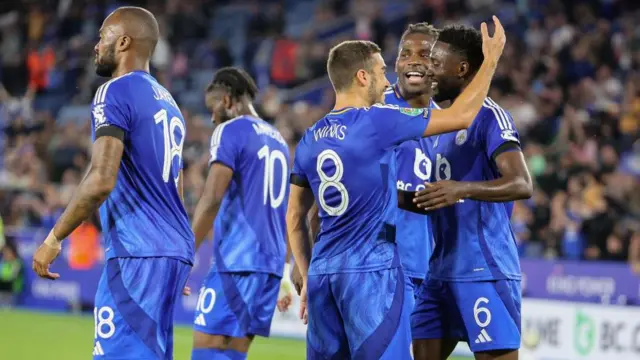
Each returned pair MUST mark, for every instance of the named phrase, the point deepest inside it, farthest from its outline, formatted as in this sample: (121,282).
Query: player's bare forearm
(514,184)
(314,223)
(300,201)
(509,188)
(208,206)
(94,188)
(205,213)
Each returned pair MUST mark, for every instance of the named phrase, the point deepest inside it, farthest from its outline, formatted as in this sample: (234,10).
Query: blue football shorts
(364,315)
(134,307)
(485,314)
(237,304)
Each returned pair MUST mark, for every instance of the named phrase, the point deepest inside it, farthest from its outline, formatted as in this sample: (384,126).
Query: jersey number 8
(171,146)
(327,181)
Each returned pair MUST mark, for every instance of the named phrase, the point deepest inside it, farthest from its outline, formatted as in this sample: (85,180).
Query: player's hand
(42,259)
(303,304)
(296,278)
(439,194)
(492,46)
(285,297)
(186,291)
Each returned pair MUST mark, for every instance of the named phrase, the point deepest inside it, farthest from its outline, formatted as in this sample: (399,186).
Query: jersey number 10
(171,146)
(268,192)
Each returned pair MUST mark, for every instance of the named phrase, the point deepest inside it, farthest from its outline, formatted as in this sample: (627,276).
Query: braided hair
(234,80)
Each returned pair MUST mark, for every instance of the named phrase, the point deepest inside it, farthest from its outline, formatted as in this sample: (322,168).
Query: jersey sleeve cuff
(505,147)
(299,180)
(110,130)
(221,162)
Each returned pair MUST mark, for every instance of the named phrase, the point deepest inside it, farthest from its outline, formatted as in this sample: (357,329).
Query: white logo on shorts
(200,320)
(97,349)
(483,337)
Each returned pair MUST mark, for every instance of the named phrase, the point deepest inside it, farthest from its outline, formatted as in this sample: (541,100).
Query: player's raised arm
(465,108)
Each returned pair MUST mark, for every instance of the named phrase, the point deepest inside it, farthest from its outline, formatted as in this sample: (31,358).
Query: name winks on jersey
(337,131)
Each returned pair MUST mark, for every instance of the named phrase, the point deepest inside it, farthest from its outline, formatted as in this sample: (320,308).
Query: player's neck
(248,109)
(129,65)
(350,99)
(416,101)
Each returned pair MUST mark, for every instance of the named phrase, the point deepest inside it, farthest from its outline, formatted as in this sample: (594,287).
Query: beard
(373,95)
(106,64)
(446,92)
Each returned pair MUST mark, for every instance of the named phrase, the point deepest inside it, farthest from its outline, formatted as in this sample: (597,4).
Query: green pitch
(29,335)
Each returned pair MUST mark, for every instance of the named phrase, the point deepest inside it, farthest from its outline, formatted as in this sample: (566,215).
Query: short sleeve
(110,110)
(500,134)
(394,125)
(225,144)
(298,176)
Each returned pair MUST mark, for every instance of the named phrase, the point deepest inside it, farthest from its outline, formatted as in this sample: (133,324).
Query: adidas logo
(97,349)
(483,337)
(200,320)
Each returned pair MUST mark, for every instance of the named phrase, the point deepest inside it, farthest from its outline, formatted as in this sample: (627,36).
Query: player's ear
(123,43)
(463,69)
(363,77)
(226,100)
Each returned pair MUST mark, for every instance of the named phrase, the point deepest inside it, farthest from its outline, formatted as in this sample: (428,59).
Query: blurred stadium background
(570,76)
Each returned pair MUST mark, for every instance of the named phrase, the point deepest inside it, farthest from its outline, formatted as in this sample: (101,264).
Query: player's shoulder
(118,89)
(390,96)
(491,111)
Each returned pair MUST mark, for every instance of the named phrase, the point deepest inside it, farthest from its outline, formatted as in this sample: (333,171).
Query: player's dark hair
(346,58)
(234,80)
(466,41)
(420,28)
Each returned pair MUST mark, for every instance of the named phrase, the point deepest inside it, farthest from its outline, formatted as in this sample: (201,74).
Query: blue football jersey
(347,160)
(473,239)
(250,229)
(144,216)
(413,169)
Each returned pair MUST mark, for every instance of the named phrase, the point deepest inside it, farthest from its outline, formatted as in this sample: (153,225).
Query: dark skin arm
(206,211)
(93,190)
(514,184)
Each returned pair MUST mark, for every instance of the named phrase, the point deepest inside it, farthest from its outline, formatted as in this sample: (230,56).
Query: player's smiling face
(412,63)
(447,68)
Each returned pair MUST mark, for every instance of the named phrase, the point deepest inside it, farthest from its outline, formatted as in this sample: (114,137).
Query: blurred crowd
(570,76)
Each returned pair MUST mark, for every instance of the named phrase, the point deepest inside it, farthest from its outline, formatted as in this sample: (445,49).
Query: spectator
(12,275)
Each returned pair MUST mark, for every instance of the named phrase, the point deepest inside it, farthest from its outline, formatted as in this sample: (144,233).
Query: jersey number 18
(171,146)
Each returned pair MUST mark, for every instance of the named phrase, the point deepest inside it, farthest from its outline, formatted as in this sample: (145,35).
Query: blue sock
(209,354)
(217,354)
(235,355)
